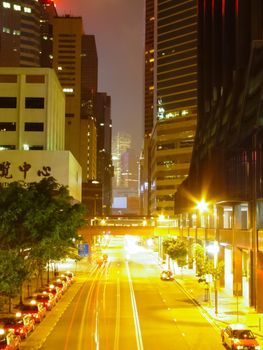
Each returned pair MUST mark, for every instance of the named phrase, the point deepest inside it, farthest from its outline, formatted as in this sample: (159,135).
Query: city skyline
(123,38)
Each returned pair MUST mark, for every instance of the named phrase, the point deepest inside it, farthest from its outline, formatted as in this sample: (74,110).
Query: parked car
(55,291)
(238,336)
(70,275)
(66,279)
(8,340)
(20,324)
(61,284)
(167,275)
(35,309)
(46,299)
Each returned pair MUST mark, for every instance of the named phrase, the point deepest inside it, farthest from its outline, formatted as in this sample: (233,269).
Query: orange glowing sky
(118,26)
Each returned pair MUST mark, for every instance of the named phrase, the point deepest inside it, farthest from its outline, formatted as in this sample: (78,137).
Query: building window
(7,126)
(6,5)
(6,30)
(17,7)
(34,127)
(36,148)
(7,102)
(34,102)
(35,79)
(69,115)
(8,78)
(7,147)
(27,9)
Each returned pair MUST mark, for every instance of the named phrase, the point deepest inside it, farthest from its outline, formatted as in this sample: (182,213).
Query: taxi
(35,309)
(20,324)
(46,299)
(8,340)
(239,337)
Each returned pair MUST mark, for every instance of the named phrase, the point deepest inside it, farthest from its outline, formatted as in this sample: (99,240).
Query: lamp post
(214,250)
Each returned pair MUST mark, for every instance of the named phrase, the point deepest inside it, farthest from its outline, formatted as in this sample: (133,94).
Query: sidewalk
(230,309)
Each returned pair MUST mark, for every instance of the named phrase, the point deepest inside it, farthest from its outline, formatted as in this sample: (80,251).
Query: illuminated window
(6,30)
(16,32)
(17,7)
(68,90)
(151,59)
(59,68)
(45,37)
(6,5)
(27,9)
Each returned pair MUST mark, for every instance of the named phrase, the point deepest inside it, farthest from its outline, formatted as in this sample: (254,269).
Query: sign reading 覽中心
(24,168)
(33,166)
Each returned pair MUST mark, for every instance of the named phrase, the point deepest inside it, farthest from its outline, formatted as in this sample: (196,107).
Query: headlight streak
(135,312)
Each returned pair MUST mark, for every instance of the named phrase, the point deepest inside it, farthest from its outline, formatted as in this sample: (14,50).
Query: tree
(38,222)
(176,250)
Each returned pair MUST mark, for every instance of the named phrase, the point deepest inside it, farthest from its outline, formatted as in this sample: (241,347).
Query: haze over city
(102,250)
(118,26)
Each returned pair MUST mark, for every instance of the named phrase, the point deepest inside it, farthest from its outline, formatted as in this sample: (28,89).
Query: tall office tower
(148,105)
(121,143)
(149,67)
(227,159)
(19,33)
(89,82)
(47,13)
(175,100)
(129,170)
(69,62)
(104,143)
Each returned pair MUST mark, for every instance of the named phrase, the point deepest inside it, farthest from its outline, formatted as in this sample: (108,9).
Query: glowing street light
(202,206)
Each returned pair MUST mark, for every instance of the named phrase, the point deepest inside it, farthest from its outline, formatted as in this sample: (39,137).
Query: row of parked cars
(17,326)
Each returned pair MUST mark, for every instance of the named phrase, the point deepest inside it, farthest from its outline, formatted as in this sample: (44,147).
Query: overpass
(128,225)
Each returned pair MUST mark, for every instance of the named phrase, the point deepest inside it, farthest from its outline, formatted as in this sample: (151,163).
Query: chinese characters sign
(24,169)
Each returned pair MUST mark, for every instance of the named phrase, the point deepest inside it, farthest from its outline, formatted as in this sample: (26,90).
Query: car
(66,279)
(20,324)
(46,299)
(55,291)
(239,337)
(70,275)
(61,284)
(8,340)
(34,308)
(167,275)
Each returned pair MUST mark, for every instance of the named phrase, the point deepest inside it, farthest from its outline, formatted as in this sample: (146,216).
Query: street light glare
(202,206)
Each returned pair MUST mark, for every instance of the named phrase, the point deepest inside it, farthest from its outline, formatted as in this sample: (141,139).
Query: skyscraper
(104,144)
(20,33)
(174,111)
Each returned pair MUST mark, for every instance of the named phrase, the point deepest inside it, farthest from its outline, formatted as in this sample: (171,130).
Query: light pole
(214,249)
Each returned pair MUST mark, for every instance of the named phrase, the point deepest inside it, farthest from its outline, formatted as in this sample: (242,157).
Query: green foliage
(14,270)
(38,223)
(205,265)
(177,250)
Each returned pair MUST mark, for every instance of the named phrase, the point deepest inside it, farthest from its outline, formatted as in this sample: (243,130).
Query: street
(124,305)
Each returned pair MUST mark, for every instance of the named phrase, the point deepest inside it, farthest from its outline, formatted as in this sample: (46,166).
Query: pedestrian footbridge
(127,225)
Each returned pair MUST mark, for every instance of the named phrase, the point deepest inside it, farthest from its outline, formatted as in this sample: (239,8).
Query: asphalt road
(124,305)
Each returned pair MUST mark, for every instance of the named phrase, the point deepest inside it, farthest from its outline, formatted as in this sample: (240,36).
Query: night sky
(118,26)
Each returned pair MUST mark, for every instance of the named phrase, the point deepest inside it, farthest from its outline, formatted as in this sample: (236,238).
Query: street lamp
(214,250)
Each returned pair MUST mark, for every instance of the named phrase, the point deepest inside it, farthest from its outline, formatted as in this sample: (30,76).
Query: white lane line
(135,312)
(117,324)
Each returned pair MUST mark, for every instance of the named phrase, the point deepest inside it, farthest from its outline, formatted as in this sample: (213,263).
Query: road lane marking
(117,323)
(135,312)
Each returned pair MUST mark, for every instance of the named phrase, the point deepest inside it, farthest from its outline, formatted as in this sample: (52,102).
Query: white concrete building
(32,109)
(32,129)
